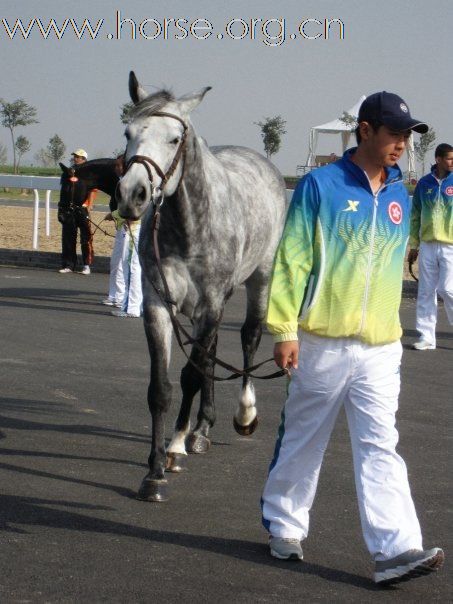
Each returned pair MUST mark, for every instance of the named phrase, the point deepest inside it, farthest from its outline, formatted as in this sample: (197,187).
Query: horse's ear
(136,92)
(63,168)
(188,102)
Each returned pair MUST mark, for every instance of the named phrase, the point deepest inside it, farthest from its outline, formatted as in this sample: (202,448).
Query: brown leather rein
(165,296)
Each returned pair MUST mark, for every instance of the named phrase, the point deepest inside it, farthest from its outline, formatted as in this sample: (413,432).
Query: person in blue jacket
(432,235)
(338,276)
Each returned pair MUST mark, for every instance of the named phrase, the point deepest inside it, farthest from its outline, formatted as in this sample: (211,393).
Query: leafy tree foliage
(272,129)
(349,120)
(42,158)
(423,145)
(12,115)
(126,111)
(22,146)
(3,154)
(56,149)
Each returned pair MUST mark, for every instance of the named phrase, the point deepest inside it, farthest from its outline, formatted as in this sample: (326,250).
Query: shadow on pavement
(30,511)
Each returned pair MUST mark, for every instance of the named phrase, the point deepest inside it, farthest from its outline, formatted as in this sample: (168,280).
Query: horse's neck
(102,177)
(191,201)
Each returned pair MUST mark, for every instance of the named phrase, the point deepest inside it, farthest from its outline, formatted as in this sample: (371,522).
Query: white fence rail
(37,183)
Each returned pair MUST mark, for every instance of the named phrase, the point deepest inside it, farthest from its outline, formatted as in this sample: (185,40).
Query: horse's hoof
(153,490)
(197,443)
(176,462)
(246,430)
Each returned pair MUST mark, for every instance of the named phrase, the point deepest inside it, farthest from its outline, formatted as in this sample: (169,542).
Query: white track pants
(133,299)
(117,286)
(365,379)
(435,277)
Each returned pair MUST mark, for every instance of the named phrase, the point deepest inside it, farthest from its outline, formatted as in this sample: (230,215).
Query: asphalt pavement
(74,440)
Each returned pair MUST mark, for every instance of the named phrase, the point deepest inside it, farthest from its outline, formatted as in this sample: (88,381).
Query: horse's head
(156,136)
(74,190)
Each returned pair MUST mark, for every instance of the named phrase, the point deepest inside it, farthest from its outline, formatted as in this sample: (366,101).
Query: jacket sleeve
(414,235)
(293,262)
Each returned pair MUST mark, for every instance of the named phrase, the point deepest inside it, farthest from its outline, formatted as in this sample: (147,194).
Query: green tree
(17,113)
(126,112)
(349,120)
(272,130)
(423,145)
(42,158)
(56,149)
(3,154)
(22,146)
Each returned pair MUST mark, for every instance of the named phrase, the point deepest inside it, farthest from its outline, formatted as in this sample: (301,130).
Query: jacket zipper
(370,259)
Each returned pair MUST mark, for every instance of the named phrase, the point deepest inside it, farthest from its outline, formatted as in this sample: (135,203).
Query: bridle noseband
(146,161)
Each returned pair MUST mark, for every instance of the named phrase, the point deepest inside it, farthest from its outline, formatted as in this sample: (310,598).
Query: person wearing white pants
(333,372)
(132,305)
(117,286)
(431,241)
(338,276)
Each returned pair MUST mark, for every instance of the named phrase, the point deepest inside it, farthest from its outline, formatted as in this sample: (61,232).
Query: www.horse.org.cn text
(269,31)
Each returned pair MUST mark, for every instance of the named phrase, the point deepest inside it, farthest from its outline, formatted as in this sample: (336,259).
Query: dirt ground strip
(16,231)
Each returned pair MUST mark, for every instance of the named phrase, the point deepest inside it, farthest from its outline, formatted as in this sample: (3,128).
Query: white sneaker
(65,270)
(285,548)
(123,314)
(422,344)
(85,270)
(408,565)
(108,302)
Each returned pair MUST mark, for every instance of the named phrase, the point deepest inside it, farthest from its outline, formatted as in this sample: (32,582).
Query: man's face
(78,159)
(386,146)
(445,164)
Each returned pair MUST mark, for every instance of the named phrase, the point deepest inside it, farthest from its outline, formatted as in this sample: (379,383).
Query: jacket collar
(393,173)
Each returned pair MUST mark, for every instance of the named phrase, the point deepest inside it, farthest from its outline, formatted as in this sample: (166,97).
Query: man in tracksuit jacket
(432,232)
(338,275)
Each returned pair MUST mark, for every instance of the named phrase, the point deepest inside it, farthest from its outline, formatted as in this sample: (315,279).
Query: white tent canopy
(337,126)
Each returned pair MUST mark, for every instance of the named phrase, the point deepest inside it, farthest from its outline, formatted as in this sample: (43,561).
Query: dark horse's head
(77,181)
(74,190)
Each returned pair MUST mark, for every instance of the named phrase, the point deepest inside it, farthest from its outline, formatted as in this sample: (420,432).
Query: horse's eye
(175,141)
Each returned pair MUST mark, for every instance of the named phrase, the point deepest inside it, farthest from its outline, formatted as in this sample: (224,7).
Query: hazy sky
(78,86)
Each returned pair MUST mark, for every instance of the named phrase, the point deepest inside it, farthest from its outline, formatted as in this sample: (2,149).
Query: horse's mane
(102,161)
(151,104)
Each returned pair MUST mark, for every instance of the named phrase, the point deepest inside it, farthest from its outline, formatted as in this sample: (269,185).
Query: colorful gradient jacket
(432,210)
(338,267)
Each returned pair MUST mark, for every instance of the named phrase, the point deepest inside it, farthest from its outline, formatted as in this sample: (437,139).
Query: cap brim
(420,127)
(407,124)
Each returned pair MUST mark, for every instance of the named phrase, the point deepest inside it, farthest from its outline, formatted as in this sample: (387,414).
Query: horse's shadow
(32,511)
(43,407)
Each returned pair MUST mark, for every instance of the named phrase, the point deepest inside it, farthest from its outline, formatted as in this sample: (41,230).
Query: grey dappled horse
(221,219)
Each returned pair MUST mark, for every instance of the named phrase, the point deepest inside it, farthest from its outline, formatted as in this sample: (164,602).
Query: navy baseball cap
(390,110)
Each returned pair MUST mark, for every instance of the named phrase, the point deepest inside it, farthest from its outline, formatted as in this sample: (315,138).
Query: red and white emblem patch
(395,212)
(449,191)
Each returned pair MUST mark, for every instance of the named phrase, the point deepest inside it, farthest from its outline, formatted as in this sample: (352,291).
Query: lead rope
(166,299)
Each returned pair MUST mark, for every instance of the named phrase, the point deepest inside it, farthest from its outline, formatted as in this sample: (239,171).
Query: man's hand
(286,354)
(412,256)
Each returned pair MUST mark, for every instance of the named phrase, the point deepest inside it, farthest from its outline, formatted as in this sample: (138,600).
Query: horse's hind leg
(191,381)
(245,419)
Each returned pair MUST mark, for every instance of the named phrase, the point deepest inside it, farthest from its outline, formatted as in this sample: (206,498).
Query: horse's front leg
(158,331)
(196,377)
